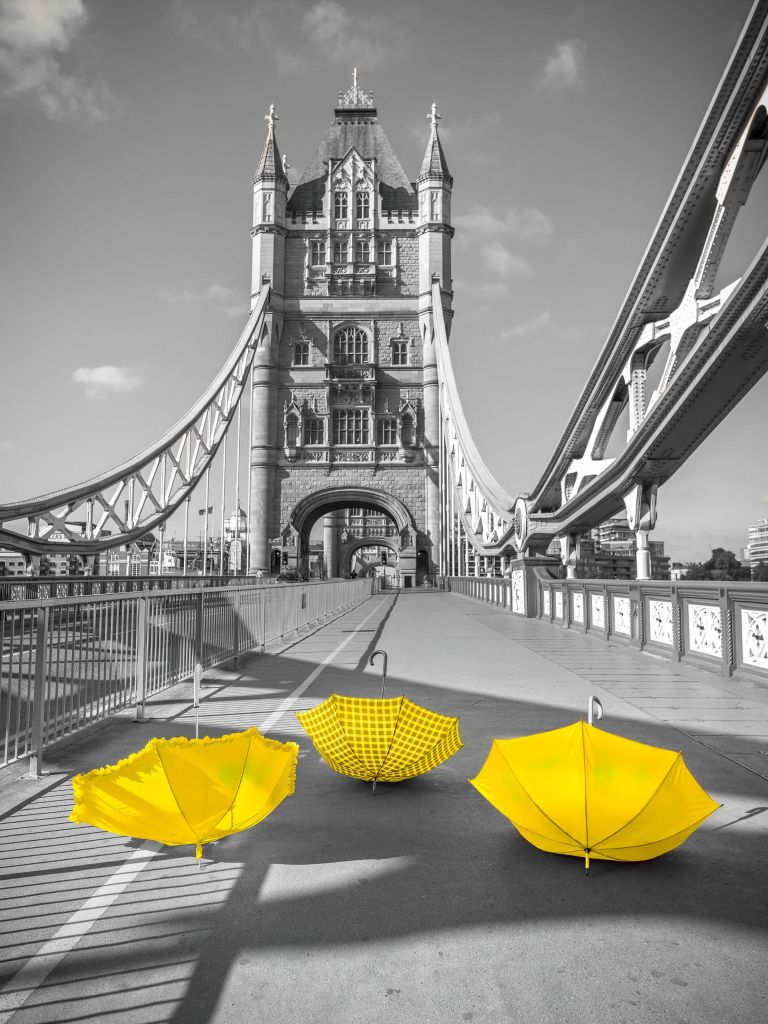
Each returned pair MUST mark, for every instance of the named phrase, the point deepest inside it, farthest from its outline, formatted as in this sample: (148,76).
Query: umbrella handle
(384,670)
(594,709)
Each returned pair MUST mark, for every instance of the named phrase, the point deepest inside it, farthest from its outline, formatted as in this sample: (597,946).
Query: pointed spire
(270,164)
(434,164)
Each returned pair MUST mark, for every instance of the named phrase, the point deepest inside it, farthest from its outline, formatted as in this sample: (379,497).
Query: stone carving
(661,627)
(754,637)
(705,630)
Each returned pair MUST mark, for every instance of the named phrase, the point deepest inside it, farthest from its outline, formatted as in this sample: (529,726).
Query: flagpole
(223,500)
(237,493)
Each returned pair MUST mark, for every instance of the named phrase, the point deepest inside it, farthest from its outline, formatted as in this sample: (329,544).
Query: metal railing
(67,663)
(720,626)
(22,588)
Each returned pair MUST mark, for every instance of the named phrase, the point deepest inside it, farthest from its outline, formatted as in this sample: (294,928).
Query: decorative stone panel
(597,616)
(622,616)
(518,592)
(558,604)
(661,623)
(546,602)
(754,637)
(705,630)
(578,607)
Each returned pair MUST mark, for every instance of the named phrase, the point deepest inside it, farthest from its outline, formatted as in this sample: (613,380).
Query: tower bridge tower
(345,389)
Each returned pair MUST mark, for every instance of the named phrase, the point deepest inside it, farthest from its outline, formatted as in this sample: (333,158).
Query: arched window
(350,345)
(386,432)
(301,353)
(350,426)
(314,431)
(363,205)
(340,205)
(134,566)
(385,254)
(399,353)
(340,252)
(362,251)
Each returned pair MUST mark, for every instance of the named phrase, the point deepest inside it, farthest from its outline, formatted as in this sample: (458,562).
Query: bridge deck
(421,904)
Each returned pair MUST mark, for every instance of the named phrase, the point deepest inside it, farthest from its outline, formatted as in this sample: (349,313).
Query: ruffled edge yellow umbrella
(584,792)
(181,791)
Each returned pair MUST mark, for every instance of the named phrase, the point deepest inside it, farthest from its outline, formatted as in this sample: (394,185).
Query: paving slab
(421,904)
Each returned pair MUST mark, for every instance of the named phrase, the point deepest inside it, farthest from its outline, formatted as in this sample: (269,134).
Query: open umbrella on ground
(179,791)
(586,793)
(380,739)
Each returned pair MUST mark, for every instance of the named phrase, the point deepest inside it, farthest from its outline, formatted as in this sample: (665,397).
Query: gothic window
(340,252)
(350,426)
(399,353)
(387,431)
(340,205)
(363,205)
(291,432)
(314,431)
(113,564)
(134,566)
(317,254)
(385,254)
(362,251)
(350,345)
(301,353)
(266,206)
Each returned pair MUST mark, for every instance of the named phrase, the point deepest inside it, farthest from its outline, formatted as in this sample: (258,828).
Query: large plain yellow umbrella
(380,739)
(586,793)
(179,791)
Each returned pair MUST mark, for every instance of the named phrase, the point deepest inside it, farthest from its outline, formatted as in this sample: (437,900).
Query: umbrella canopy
(180,791)
(587,793)
(380,739)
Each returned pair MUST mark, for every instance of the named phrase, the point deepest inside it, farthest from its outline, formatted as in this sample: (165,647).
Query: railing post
(236,629)
(38,708)
(199,630)
(141,660)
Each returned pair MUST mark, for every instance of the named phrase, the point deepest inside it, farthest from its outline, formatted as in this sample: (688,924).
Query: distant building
(609,552)
(757,549)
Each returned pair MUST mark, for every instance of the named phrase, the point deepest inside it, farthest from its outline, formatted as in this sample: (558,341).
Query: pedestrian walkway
(421,904)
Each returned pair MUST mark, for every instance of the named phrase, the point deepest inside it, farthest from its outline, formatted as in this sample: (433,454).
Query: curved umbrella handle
(384,671)
(594,709)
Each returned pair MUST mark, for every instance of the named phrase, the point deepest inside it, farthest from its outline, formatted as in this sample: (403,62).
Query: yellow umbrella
(586,793)
(180,791)
(380,739)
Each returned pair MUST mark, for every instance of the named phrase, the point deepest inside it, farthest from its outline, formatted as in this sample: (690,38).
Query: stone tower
(345,390)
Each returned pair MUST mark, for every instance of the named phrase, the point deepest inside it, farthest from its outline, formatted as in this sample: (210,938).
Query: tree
(723,565)
(760,572)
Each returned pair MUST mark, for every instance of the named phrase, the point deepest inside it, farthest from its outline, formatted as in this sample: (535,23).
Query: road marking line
(269,723)
(32,974)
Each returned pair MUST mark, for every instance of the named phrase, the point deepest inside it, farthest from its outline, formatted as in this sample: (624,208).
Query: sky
(129,134)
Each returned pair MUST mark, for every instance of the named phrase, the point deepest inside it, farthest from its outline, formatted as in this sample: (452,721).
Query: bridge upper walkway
(421,904)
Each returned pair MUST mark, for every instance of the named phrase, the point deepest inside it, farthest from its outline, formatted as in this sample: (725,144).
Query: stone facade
(345,385)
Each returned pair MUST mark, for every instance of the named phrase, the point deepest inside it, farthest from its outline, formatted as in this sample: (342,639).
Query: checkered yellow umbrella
(180,791)
(380,739)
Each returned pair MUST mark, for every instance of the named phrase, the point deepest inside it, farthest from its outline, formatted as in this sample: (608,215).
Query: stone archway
(332,499)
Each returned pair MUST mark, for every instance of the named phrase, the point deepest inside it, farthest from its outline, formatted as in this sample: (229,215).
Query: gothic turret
(435,231)
(270,190)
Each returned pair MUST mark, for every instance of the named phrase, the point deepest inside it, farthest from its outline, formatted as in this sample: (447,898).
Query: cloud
(489,233)
(218,295)
(297,39)
(100,381)
(532,326)
(564,67)
(34,34)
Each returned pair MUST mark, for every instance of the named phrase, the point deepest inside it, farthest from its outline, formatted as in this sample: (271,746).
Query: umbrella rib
(173,794)
(234,792)
(636,846)
(394,733)
(641,809)
(538,808)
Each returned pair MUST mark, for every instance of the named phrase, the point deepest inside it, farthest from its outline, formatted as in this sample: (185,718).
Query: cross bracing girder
(154,483)
(714,345)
